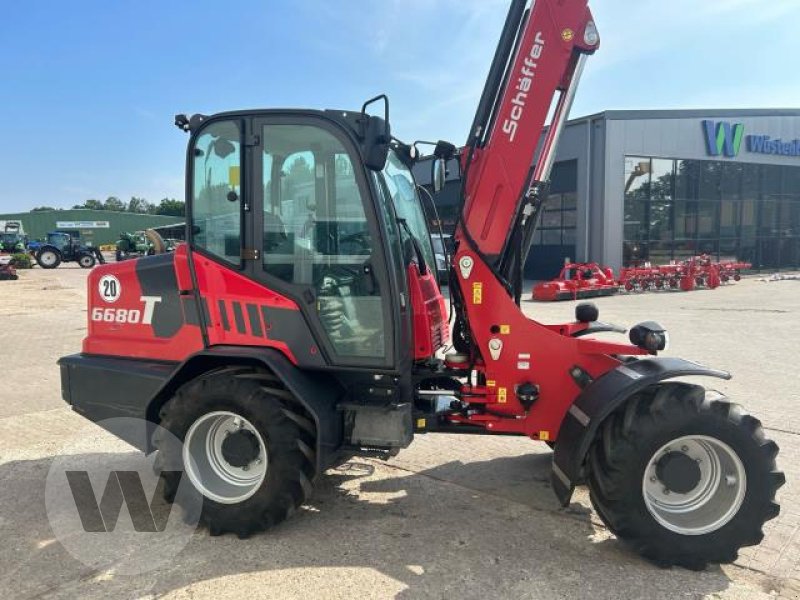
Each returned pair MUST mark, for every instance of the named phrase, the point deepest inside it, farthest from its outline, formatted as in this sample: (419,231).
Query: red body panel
(117,337)
(224,289)
(173,331)
(431,329)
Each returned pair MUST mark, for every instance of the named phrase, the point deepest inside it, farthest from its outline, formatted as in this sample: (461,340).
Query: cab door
(314,225)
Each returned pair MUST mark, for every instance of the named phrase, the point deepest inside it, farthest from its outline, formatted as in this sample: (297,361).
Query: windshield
(407,204)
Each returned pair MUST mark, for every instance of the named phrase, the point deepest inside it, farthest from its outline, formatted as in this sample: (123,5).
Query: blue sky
(88,88)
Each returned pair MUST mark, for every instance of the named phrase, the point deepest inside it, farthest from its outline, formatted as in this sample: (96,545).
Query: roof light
(590,35)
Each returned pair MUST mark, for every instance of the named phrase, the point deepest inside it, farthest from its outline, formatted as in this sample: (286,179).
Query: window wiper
(423,266)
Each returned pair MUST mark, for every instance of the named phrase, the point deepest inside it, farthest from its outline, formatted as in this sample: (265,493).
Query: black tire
(288,432)
(48,263)
(86,261)
(629,438)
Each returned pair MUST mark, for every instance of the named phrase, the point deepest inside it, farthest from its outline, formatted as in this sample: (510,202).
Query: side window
(316,234)
(216,210)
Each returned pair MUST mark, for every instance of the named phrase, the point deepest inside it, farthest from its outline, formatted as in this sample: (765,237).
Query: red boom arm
(544,57)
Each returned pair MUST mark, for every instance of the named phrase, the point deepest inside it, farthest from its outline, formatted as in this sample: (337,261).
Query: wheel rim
(209,467)
(48,258)
(86,261)
(716,485)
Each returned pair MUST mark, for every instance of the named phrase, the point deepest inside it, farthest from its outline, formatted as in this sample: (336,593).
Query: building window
(676,209)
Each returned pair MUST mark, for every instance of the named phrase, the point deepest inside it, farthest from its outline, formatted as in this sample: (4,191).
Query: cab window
(316,235)
(216,191)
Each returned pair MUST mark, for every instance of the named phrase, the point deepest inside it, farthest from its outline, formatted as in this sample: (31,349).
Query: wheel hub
(241,448)
(694,484)
(225,457)
(678,472)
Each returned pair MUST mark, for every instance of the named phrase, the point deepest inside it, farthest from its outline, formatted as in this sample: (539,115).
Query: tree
(114,203)
(171,207)
(91,204)
(42,208)
(139,205)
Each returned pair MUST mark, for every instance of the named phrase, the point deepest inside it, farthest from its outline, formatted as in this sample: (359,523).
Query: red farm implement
(696,272)
(578,280)
(589,280)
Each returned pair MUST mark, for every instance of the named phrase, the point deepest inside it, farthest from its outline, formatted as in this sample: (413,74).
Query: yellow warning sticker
(234,176)
(501,395)
(505,329)
(491,383)
(477,292)
(421,423)
(544,435)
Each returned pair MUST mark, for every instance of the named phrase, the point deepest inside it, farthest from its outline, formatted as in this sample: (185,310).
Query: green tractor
(12,243)
(12,239)
(139,243)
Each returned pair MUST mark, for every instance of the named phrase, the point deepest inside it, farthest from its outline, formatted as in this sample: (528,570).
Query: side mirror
(439,174)
(376,135)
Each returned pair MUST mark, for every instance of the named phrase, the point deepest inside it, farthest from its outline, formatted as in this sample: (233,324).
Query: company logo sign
(725,139)
(83,224)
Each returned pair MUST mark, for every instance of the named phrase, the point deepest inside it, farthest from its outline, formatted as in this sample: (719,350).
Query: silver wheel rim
(207,467)
(85,261)
(48,258)
(714,500)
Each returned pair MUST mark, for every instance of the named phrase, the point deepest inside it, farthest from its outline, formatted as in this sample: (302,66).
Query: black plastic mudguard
(597,401)
(101,388)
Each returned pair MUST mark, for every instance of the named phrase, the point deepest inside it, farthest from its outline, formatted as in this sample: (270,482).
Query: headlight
(649,336)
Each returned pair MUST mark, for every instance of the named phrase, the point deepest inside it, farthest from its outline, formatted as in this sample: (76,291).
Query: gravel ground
(454,516)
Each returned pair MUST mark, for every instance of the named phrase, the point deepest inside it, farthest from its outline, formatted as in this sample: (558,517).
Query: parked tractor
(12,239)
(140,243)
(12,243)
(63,247)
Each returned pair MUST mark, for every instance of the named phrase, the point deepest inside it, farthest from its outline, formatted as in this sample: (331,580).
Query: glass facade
(675,209)
(556,236)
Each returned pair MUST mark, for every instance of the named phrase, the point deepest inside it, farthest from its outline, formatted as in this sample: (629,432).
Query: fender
(597,401)
(317,391)
(102,388)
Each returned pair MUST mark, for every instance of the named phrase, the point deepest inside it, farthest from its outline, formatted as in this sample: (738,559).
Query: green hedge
(21,261)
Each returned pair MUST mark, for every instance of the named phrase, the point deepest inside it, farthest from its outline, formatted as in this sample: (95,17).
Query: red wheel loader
(299,325)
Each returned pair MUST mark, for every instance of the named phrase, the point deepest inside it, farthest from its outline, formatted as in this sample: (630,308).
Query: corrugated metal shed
(96,226)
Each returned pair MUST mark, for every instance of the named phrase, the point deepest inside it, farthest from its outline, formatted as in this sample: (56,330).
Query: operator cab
(321,207)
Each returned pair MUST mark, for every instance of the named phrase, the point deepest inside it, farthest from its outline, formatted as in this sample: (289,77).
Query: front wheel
(246,447)
(86,261)
(684,479)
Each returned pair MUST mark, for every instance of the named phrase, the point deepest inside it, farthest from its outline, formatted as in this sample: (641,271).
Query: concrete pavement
(454,516)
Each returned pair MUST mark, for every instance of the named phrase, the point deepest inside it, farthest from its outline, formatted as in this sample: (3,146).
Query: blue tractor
(64,247)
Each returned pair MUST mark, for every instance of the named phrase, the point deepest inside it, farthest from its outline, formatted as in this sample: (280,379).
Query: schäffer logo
(723,138)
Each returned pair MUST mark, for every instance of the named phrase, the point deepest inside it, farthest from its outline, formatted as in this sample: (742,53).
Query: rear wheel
(685,480)
(86,261)
(48,258)
(247,448)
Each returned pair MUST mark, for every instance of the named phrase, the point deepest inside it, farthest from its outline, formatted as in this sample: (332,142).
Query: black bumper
(104,389)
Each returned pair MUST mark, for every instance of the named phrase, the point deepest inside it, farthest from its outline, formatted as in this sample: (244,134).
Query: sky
(89,88)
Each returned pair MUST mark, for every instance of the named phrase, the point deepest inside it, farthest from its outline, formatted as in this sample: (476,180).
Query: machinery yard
(397,528)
